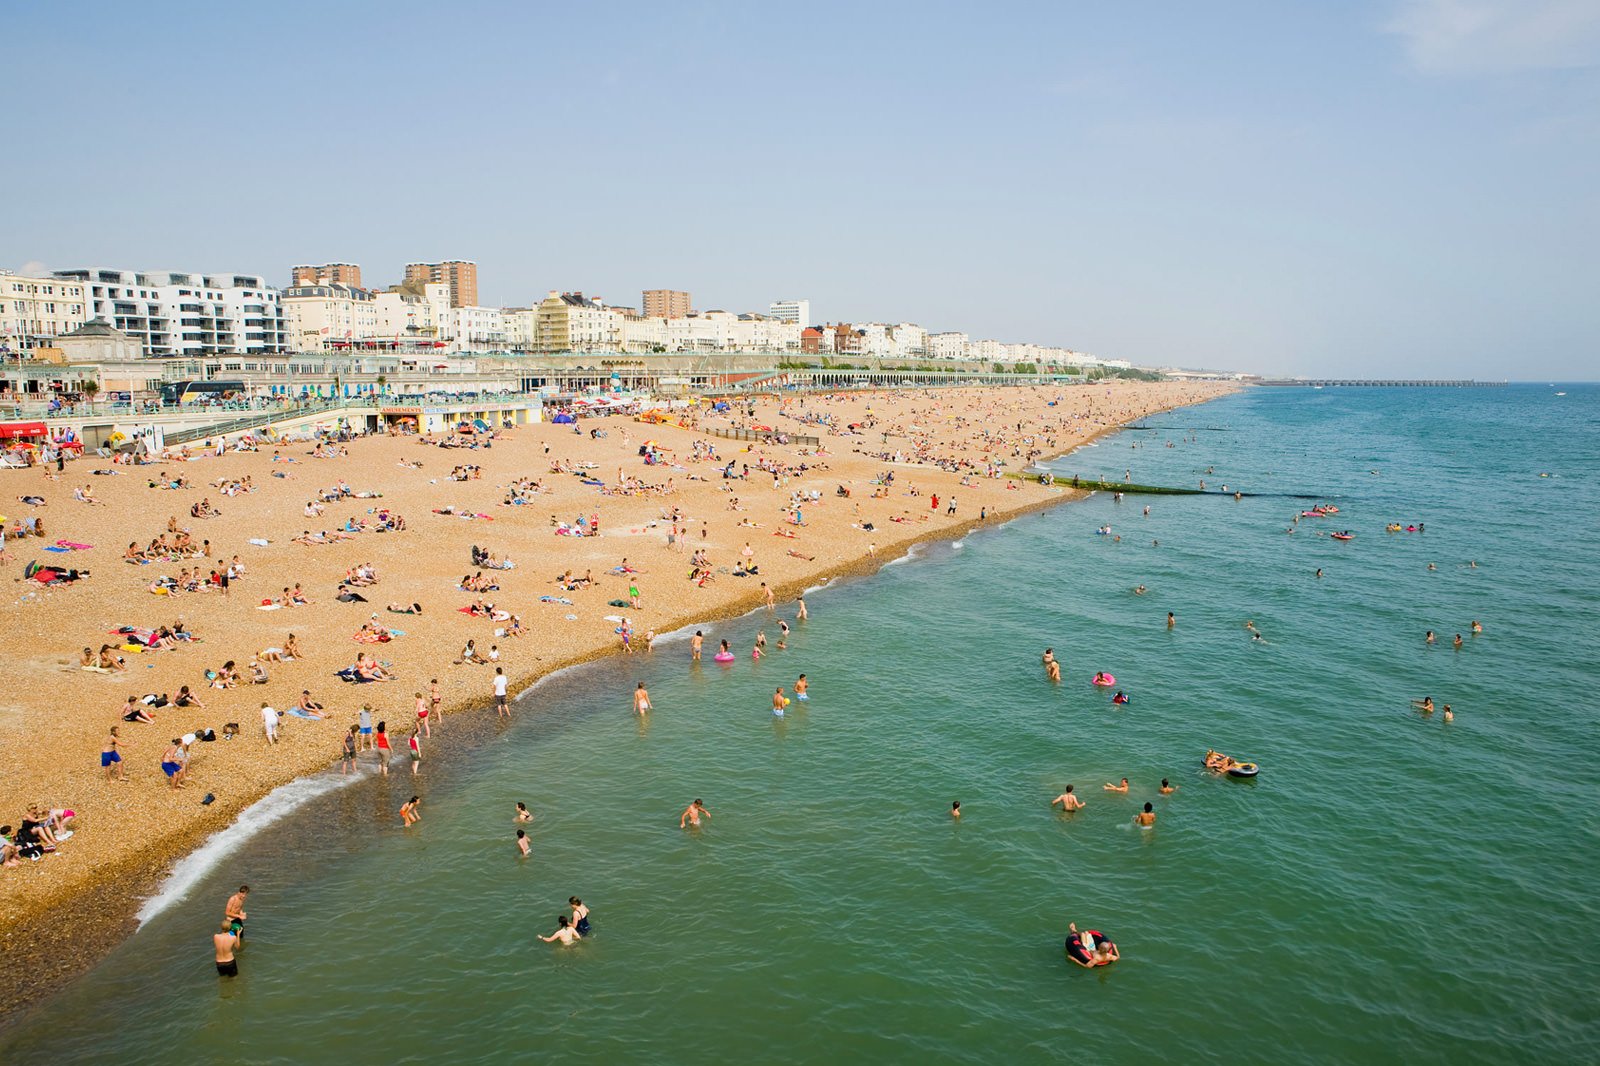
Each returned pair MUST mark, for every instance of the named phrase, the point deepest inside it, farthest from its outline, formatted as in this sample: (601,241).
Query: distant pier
(1382,383)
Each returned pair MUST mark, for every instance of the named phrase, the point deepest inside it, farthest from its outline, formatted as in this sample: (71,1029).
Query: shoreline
(49,949)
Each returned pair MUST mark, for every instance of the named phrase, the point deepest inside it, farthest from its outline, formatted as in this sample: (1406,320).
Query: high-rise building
(665,303)
(460,275)
(171,313)
(328,274)
(797,311)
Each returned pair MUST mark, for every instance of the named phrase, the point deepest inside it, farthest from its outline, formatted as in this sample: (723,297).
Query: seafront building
(35,309)
(180,314)
(319,316)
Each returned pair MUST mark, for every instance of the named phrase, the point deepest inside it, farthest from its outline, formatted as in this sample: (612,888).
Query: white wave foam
(914,552)
(253,819)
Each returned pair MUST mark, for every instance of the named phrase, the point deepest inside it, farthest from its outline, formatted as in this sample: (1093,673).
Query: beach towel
(618,603)
(555,599)
(260,541)
(73,546)
(52,548)
(298,713)
(269,607)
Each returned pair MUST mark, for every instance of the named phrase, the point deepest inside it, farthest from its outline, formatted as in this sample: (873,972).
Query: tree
(89,388)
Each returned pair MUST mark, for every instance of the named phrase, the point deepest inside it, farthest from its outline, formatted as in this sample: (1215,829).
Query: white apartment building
(989,351)
(760,333)
(904,340)
(176,314)
(521,327)
(796,311)
(327,317)
(34,310)
(403,316)
(639,333)
(473,329)
(947,345)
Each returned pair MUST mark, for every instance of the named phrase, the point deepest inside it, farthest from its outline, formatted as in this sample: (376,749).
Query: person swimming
(1120,698)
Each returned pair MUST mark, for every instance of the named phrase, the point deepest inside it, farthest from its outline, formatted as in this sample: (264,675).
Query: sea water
(1390,888)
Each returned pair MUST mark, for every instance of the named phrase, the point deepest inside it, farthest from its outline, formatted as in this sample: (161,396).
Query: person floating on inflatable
(1090,948)
(1103,679)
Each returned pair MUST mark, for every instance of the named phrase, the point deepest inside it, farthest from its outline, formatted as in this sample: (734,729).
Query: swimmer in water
(694,645)
(1431,566)
(800,687)
(955,809)
(1166,789)
(1068,801)
(580,915)
(522,842)
(1052,669)
(564,932)
(1457,642)
(1139,590)
(1425,704)
(693,813)
(779,701)
(641,700)
(1449,715)
(1429,638)
(1172,620)
(1477,627)
(523,814)
(1319,571)
(1145,818)
(1117,788)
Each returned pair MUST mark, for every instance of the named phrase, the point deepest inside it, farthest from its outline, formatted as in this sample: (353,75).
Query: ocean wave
(271,808)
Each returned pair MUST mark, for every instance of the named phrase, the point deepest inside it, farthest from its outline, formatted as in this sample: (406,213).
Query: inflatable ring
(1104,680)
(1244,769)
(723,657)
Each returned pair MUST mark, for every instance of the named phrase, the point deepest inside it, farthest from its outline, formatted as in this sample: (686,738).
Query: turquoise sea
(1391,888)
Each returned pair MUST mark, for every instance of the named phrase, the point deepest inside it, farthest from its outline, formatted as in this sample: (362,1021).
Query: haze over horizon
(1383,188)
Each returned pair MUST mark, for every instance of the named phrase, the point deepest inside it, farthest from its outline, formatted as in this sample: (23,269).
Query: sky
(1362,188)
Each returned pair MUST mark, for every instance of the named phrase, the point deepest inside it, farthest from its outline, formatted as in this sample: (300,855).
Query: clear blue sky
(1383,187)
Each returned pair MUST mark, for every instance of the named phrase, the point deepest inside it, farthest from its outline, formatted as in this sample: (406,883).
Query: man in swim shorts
(1145,818)
(226,943)
(234,912)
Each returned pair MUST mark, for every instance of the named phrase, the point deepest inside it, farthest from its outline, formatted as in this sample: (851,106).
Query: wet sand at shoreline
(63,911)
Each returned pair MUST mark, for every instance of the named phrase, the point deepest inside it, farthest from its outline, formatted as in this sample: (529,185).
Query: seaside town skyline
(326,308)
(1393,187)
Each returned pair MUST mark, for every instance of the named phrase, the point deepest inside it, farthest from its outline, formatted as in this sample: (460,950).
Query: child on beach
(408,811)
